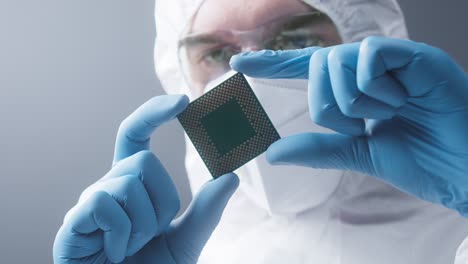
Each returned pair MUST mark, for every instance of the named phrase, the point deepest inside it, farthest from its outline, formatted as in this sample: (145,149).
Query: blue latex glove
(400,109)
(130,211)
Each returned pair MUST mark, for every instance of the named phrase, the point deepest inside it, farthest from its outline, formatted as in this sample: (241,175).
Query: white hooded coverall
(360,220)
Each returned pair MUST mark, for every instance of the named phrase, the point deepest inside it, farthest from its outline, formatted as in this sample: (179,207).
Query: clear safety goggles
(205,56)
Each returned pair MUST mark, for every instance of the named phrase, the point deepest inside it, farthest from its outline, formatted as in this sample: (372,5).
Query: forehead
(243,14)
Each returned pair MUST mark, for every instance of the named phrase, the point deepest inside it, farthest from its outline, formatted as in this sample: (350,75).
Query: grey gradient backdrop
(70,71)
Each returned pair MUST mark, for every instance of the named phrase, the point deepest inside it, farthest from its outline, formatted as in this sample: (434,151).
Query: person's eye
(288,42)
(219,55)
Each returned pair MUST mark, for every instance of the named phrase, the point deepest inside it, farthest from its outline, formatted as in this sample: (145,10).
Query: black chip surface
(228,126)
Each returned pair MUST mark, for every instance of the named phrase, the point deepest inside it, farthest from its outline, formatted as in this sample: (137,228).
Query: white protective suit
(286,214)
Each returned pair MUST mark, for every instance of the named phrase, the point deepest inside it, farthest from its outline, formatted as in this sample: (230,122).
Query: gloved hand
(400,109)
(130,211)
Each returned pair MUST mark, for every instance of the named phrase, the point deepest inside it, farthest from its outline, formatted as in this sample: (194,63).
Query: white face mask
(286,189)
(281,190)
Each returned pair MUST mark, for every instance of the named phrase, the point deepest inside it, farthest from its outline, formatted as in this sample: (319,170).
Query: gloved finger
(195,226)
(135,131)
(131,195)
(157,182)
(323,108)
(385,62)
(342,63)
(69,244)
(268,64)
(323,151)
(95,224)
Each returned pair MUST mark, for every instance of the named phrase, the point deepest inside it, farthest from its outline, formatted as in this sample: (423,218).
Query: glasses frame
(247,40)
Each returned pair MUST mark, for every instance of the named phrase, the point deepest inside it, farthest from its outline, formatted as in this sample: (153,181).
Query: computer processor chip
(228,126)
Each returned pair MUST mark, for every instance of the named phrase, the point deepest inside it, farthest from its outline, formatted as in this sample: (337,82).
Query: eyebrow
(305,20)
(198,39)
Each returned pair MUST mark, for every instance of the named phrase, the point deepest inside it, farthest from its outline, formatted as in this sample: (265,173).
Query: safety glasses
(205,56)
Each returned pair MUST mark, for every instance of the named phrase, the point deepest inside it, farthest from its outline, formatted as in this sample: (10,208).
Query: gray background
(70,71)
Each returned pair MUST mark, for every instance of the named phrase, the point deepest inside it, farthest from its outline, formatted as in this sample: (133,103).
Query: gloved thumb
(189,233)
(279,64)
(323,151)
